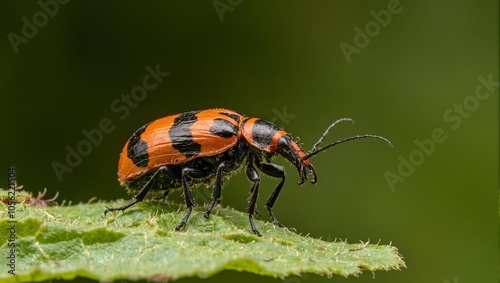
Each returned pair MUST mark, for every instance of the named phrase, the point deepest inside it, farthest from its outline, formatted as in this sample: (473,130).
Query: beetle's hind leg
(170,171)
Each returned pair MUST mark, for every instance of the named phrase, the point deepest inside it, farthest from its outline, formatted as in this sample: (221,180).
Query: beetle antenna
(312,153)
(328,130)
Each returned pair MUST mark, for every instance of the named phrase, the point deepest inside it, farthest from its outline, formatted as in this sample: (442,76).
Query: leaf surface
(141,243)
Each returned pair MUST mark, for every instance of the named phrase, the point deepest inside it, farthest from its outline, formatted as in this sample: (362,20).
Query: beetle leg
(195,172)
(253,176)
(164,196)
(187,195)
(224,167)
(277,171)
(142,193)
(256,210)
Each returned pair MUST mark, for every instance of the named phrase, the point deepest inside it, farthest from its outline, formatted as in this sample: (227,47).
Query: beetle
(204,147)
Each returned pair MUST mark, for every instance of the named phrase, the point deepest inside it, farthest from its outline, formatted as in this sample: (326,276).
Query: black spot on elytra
(223,128)
(137,149)
(232,116)
(181,136)
(263,132)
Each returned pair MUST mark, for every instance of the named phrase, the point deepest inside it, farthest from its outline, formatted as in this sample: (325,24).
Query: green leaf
(141,243)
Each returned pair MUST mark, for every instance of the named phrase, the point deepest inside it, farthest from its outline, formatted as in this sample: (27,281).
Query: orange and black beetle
(205,146)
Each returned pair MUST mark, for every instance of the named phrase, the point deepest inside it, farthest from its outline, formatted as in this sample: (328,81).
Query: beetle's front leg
(253,176)
(277,171)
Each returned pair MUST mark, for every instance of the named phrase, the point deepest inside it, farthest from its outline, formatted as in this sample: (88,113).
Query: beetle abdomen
(176,139)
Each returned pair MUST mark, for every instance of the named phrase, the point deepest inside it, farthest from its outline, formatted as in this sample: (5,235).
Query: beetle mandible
(201,147)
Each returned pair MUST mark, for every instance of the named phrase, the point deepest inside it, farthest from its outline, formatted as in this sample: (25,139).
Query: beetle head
(292,151)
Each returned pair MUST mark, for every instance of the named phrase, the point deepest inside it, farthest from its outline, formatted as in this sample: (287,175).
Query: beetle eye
(283,143)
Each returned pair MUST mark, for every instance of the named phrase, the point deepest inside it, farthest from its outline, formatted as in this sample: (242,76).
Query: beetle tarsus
(210,207)
(184,220)
(121,208)
(252,225)
(277,223)
(107,210)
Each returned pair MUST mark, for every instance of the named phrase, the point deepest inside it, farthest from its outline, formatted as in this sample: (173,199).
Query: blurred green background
(302,65)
